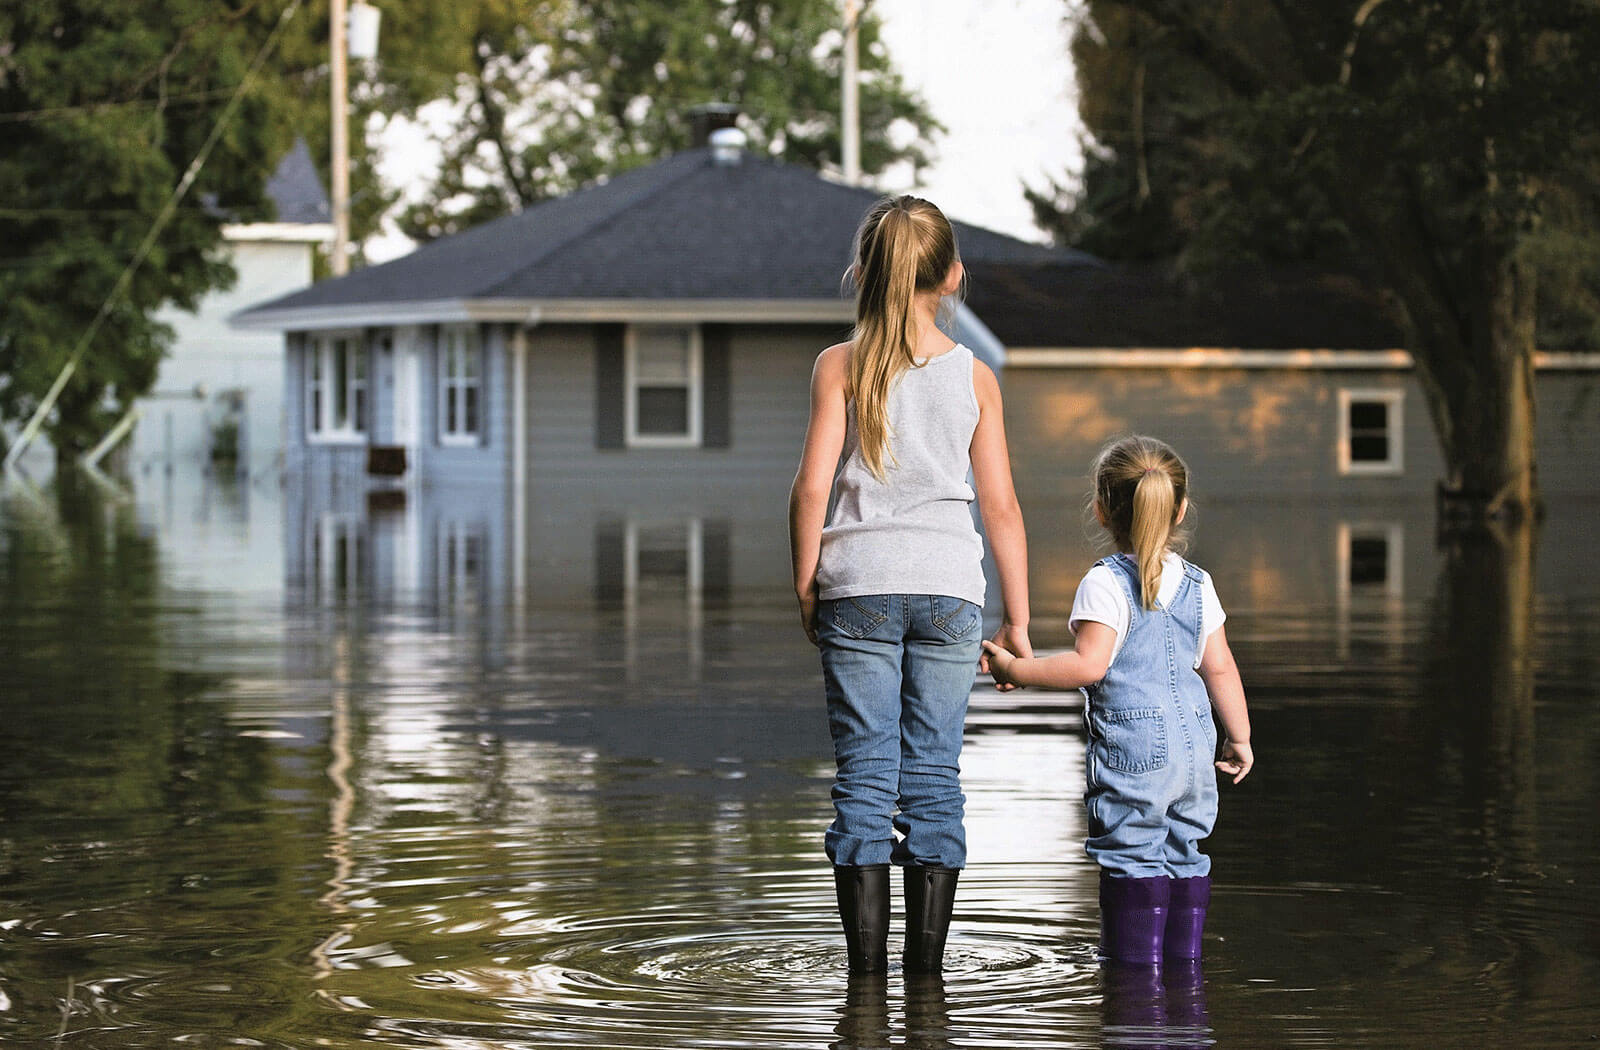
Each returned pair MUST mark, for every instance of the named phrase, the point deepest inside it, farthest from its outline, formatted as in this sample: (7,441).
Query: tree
(102,108)
(552,94)
(1447,150)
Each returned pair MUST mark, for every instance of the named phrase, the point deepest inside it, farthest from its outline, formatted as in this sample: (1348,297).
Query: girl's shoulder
(833,364)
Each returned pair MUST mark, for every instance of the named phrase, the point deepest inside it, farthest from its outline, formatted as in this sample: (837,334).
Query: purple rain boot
(1186,916)
(1133,918)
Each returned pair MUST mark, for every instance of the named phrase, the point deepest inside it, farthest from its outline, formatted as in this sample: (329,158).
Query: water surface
(263,787)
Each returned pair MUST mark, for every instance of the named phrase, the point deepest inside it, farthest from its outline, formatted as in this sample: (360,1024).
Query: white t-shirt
(1101,599)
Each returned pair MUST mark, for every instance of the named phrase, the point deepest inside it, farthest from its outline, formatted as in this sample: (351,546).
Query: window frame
(449,385)
(321,385)
(1394,402)
(694,384)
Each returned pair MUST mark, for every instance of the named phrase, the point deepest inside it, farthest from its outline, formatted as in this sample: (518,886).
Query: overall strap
(1126,570)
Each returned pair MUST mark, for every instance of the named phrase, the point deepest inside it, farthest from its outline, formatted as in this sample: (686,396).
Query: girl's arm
(819,458)
(1002,514)
(1226,690)
(1085,665)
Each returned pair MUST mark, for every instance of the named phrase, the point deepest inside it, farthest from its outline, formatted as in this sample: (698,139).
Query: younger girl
(1153,661)
(890,586)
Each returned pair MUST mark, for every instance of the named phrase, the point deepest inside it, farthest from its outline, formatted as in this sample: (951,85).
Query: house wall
(1265,432)
(175,427)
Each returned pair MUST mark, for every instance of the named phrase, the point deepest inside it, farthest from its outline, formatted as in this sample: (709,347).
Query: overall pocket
(1132,741)
(859,616)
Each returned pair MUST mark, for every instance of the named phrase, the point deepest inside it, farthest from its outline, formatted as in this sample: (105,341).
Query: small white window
(336,387)
(460,385)
(663,386)
(1370,431)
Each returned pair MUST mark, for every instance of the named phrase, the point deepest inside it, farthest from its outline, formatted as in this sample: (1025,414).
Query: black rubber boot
(930,898)
(864,910)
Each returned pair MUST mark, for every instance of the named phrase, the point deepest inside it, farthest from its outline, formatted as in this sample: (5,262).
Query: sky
(996,74)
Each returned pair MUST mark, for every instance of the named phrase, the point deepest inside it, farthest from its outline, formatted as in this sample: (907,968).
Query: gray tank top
(911,533)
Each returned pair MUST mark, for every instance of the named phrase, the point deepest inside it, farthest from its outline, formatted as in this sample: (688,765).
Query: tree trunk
(1480,388)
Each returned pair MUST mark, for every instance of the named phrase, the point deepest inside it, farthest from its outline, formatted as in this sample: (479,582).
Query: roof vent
(727,147)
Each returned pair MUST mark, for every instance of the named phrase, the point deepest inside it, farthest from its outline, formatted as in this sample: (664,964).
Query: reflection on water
(291,770)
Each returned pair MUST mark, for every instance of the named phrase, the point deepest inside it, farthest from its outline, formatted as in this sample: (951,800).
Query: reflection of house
(1271,382)
(220,389)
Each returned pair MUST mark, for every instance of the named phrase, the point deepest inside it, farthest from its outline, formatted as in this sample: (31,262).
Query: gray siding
(1263,432)
(769,374)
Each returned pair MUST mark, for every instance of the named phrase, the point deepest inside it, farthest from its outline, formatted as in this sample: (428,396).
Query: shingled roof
(1153,305)
(683,229)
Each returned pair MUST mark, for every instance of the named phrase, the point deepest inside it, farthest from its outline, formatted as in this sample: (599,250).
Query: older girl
(891,585)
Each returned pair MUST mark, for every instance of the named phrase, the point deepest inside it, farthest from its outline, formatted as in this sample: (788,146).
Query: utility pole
(339,77)
(850,124)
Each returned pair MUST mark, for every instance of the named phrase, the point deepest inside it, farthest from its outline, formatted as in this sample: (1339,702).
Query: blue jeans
(898,670)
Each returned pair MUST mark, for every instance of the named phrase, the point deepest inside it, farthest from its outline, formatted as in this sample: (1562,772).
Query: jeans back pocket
(956,617)
(1133,741)
(859,616)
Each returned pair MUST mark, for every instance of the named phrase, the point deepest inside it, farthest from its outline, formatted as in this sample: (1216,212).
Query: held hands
(1009,643)
(1236,760)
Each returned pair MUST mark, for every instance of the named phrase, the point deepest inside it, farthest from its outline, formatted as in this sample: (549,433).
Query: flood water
(266,785)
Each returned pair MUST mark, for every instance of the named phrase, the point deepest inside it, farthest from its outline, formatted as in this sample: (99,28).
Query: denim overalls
(1152,788)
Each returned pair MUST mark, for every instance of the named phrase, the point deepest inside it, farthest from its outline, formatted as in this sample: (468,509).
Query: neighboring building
(1314,459)
(625,368)
(220,391)
(1273,382)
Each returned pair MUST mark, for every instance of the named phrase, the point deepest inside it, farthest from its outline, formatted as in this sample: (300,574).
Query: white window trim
(1395,400)
(316,344)
(459,439)
(630,386)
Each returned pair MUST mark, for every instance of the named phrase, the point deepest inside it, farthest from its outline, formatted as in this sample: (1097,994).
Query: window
(1370,431)
(662,385)
(460,563)
(460,385)
(1370,586)
(338,557)
(336,387)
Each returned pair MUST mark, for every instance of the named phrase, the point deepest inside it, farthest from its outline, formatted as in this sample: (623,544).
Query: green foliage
(1278,132)
(102,106)
(1447,151)
(553,94)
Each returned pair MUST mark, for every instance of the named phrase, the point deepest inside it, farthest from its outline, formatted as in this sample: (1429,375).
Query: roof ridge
(610,215)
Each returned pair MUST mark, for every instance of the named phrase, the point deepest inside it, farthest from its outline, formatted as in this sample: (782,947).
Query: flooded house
(1314,459)
(604,395)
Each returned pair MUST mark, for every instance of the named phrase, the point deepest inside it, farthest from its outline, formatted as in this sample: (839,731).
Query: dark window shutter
(716,342)
(610,400)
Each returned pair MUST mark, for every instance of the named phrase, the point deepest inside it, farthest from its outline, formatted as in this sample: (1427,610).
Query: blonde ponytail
(1153,511)
(904,246)
(1140,486)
